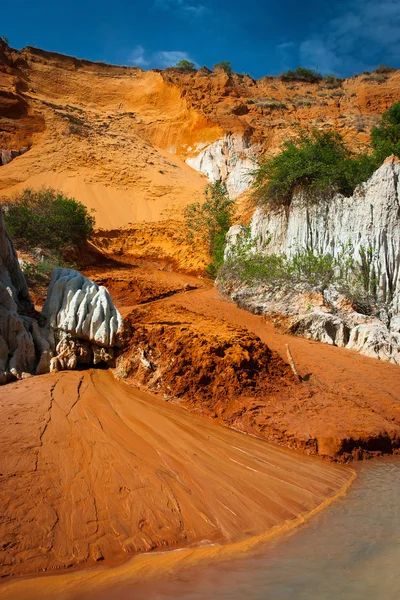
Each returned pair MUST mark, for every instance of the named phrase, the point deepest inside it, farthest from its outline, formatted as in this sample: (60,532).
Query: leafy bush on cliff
(332,82)
(384,69)
(47,219)
(185,65)
(208,223)
(385,137)
(302,74)
(225,65)
(318,164)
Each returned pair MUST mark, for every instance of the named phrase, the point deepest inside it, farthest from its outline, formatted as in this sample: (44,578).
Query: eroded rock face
(369,220)
(7,156)
(230,160)
(20,337)
(81,322)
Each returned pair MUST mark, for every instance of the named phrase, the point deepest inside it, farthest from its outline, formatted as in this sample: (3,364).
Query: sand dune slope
(94,469)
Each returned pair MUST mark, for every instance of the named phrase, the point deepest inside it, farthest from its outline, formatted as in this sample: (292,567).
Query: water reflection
(350,552)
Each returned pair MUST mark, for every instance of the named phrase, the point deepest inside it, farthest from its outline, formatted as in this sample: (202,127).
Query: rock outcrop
(230,160)
(20,338)
(80,324)
(6,156)
(369,224)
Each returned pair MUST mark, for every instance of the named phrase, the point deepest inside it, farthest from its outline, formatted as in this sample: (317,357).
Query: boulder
(81,322)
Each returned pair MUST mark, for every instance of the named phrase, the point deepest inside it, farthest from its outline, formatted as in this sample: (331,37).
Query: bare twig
(293,366)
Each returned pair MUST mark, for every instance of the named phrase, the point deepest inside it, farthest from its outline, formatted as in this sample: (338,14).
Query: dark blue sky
(257,37)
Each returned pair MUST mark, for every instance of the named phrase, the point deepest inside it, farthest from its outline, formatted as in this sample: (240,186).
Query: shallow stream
(351,551)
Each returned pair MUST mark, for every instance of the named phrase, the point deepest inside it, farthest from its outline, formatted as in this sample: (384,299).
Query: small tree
(5,40)
(225,65)
(385,137)
(302,74)
(319,164)
(185,65)
(209,223)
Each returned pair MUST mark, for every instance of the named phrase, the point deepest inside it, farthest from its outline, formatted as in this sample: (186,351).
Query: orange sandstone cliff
(117,138)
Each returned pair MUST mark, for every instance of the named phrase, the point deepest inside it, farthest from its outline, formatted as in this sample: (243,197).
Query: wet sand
(95,470)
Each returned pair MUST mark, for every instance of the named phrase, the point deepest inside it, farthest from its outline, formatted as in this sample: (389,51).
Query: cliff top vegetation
(320,164)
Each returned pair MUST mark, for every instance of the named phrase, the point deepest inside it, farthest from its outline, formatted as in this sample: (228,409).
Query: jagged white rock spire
(77,306)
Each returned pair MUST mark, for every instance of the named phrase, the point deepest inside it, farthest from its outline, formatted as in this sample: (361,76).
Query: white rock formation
(82,323)
(230,160)
(370,219)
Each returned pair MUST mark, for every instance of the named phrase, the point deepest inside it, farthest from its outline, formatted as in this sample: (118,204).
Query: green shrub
(267,103)
(185,65)
(47,219)
(209,223)
(319,164)
(384,69)
(300,102)
(376,78)
(306,267)
(332,82)
(302,74)
(385,137)
(38,272)
(225,65)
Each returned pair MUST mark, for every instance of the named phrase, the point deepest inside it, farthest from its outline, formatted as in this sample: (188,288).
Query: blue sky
(257,37)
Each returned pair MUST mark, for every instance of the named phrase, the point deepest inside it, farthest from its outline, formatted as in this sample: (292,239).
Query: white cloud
(285,54)
(137,57)
(165,59)
(159,60)
(183,7)
(363,33)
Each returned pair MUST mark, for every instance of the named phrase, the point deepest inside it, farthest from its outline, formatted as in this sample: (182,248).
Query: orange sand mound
(347,407)
(93,469)
(226,363)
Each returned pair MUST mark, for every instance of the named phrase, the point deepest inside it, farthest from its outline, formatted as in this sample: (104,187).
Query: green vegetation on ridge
(185,65)
(320,164)
(225,65)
